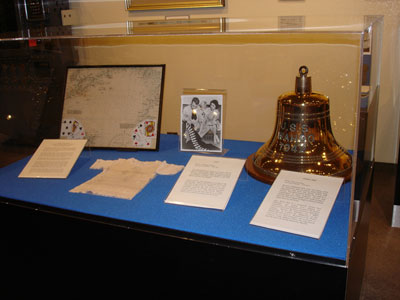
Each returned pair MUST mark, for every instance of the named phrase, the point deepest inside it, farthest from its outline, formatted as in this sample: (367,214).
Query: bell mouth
(269,171)
(249,166)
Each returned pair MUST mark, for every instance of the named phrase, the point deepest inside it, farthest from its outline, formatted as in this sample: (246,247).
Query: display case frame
(238,34)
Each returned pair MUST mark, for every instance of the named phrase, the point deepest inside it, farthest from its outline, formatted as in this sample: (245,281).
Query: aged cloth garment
(124,178)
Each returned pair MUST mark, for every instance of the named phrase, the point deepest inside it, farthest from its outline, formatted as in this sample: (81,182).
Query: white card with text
(298,203)
(53,159)
(207,182)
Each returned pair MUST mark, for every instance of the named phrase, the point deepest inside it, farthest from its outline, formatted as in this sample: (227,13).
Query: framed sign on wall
(171,4)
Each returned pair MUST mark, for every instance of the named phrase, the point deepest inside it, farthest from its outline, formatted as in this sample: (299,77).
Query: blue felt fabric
(148,206)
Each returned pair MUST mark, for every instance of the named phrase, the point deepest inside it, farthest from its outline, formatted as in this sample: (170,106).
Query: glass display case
(254,61)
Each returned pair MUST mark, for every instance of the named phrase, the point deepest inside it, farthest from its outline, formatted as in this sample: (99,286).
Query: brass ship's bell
(303,140)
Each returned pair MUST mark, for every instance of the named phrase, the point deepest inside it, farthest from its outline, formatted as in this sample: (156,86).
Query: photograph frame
(114,106)
(171,4)
(201,123)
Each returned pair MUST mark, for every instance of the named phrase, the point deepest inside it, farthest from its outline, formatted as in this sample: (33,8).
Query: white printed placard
(298,203)
(53,159)
(206,182)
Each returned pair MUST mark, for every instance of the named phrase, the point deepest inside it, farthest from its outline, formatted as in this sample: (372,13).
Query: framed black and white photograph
(201,123)
(114,106)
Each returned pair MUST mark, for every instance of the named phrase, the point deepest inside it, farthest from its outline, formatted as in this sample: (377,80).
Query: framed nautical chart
(114,106)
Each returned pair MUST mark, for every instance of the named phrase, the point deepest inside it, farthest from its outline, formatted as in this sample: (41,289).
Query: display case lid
(196,26)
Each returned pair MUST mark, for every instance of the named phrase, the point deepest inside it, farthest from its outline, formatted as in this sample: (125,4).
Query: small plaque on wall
(291,22)
(114,106)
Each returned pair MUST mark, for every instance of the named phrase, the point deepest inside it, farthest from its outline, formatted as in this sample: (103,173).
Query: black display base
(51,254)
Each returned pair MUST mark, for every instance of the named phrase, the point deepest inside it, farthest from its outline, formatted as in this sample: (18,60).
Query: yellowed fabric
(124,178)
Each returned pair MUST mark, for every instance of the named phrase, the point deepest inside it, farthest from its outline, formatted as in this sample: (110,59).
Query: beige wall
(254,71)
(92,12)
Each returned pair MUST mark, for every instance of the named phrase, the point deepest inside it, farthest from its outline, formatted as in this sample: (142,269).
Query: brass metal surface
(302,140)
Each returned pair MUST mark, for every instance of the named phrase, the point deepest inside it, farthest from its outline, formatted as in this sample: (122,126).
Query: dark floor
(382,271)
